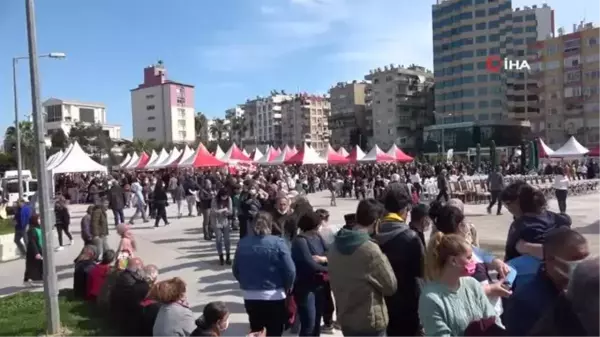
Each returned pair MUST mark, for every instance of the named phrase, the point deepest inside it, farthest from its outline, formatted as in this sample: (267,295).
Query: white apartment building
(306,120)
(236,115)
(162,110)
(262,118)
(64,114)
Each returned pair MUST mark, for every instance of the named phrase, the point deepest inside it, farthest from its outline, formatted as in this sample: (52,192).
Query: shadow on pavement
(593,228)
(214,278)
(174,240)
(219,287)
(179,267)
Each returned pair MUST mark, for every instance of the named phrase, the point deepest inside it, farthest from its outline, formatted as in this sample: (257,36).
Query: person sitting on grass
(84,263)
(145,316)
(129,290)
(214,320)
(174,318)
(98,275)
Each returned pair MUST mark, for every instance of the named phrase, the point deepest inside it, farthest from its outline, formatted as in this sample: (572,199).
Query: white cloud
(268,10)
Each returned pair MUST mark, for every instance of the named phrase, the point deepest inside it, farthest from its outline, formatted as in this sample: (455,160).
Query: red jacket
(96,280)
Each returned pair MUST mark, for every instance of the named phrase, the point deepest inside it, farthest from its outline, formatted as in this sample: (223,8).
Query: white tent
(256,155)
(125,161)
(173,156)
(219,153)
(377,155)
(53,157)
(135,159)
(572,148)
(161,157)
(343,151)
(245,152)
(77,161)
(153,157)
(280,159)
(547,150)
(58,159)
(187,154)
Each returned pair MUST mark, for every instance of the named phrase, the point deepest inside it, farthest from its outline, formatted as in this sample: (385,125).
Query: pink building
(162,110)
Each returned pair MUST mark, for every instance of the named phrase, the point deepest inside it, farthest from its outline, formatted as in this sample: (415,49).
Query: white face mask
(571,265)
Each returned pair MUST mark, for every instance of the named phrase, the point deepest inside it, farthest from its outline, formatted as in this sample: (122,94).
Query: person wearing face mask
(174,318)
(361,275)
(451,300)
(250,207)
(281,216)
(564,248)
(206,195)
(214,320)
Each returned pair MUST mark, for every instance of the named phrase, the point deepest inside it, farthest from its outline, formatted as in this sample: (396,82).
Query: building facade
(567,72)
(262,120)
(235,117)
(398,99)
(347,121)
(64,114)
(466,33)
(305,120)
(162,110)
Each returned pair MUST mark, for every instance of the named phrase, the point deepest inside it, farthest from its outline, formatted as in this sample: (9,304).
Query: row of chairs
(475,189)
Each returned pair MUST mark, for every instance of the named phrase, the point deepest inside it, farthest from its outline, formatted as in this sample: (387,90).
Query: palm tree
(199,123)
(238,128)
(141,145)
(27,143)
(218,129)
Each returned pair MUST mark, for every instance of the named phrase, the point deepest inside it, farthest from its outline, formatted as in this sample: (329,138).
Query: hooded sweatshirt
(532,228)
(360,276)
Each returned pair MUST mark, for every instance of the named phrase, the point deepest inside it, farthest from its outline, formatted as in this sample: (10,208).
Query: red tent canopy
(306,156)
(356,154)
(400,156)
(203,158)
(235,154)
(595,152)
(144,158)
(333,157)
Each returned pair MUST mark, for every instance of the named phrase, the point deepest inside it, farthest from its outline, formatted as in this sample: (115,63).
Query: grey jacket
(174,319)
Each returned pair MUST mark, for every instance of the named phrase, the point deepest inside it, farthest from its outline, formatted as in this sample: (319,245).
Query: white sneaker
(28,283)
(58,249)
(71,243)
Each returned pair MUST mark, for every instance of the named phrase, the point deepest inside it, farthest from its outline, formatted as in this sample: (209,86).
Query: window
(182,134)
(481,52)
(572,61)
(481,39)
(151,118)
(480,26)
(86,115)
(181,113)
(573,76)
(54,113)
(181,123)
(151,129)
(149,96)
(480,13)
(150,107)
(592,41)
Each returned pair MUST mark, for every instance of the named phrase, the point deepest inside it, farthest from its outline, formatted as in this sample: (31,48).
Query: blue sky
(229,49)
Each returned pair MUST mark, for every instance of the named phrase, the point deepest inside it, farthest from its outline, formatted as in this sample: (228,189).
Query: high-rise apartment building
(347,121)
(398,98)
(567,71)
(262,120)
(162,110)
(465,34)
(235,117)
(305,120)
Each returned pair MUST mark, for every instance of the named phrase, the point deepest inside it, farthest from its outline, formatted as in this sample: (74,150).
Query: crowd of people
(378,273)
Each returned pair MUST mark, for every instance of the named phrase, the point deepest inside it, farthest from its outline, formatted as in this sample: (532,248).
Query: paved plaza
(178,250)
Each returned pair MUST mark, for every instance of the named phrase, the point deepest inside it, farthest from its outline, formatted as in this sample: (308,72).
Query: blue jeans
(223,236)
(119,217)
(310,311)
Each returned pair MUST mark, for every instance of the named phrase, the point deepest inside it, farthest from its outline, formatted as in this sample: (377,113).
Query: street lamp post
(15,61)
(50,279)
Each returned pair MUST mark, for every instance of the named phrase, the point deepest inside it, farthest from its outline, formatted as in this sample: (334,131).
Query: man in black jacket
(405,251)
(116,202)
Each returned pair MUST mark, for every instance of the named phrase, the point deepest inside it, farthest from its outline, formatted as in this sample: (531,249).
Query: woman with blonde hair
(451,300)
(174,318)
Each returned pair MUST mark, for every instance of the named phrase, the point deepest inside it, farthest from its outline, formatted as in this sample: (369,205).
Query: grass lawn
(23,314)
(6,226)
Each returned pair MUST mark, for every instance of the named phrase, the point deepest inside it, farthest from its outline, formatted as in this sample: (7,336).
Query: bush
(6,226)
(23,314)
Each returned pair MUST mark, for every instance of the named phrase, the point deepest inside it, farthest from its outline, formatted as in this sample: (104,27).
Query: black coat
(129,290)
(116,198)
(80,277)
(34,268)
(62,216)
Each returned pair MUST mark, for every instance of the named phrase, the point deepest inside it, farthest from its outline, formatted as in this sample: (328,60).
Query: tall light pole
(17,129)
(50,279)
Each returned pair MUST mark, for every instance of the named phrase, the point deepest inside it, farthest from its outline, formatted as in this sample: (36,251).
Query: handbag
(291,308)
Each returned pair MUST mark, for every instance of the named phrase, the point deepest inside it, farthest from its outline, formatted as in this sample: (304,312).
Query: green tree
(218,128)
(238,129)
(199,123)
(59,140)
(141,145)
(27,144)
(94,141)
